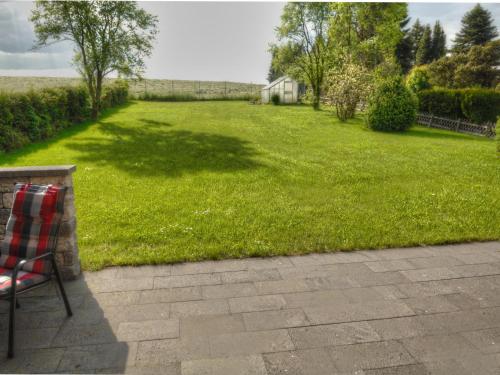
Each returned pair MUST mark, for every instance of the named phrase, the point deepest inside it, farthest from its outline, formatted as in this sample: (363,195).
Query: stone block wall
(67,248)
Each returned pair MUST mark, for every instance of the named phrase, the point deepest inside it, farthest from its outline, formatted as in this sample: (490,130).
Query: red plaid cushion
(24,280)
(32,226)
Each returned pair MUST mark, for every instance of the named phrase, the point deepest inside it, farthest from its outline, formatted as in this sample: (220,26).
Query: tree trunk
(316,97)
(96,99)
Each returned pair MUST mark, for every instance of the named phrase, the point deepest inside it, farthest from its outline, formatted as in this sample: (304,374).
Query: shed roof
(275,82)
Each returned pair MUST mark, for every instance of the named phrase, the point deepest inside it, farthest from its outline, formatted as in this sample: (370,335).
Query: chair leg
(12,325)
(61,288)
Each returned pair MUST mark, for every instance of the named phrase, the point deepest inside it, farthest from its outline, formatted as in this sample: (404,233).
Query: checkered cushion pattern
(24,280)
(32,226)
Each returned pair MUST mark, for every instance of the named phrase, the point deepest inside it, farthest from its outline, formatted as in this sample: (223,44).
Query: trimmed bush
(275,99)
(114,94)
(392,107)
(418,79)
(441,102)
(480,105)
(36,115)
(476,105)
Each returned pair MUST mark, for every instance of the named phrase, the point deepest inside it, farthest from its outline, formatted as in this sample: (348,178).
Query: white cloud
(35,60)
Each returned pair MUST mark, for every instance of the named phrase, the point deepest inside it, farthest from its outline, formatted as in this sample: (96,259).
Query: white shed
(286,87)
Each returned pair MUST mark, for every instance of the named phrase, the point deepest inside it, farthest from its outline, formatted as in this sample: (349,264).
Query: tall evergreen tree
(438,41)
(477,29)
(404,49)
(416,33)
(424,51)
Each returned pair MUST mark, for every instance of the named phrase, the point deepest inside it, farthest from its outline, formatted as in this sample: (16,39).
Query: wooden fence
(462,126)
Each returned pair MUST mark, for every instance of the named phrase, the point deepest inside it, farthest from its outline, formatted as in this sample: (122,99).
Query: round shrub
(392,107)
(275,99)
(418,79)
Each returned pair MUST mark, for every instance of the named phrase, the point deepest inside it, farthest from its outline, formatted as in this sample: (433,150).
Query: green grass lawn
(166,182)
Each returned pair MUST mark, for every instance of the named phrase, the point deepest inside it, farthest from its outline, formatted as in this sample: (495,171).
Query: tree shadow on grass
(153,149)
(11,157)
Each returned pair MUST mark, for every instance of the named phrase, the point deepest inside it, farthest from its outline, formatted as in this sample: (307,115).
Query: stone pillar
(67,248)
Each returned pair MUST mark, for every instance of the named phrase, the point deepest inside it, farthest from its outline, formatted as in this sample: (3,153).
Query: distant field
(201,89)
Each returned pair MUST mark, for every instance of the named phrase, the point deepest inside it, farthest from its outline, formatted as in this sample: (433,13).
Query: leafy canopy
(108,36)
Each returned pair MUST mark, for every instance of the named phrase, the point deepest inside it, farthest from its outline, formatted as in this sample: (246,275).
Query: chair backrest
(33,225)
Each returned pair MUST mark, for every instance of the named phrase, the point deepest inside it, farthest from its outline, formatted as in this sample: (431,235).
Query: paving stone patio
(428,310)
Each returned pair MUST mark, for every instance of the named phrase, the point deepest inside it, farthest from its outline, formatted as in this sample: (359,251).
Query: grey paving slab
(91,357)
(430,305)
(245,365)
(431,348)
(282,286)
(148,330)
(191,293)
(112,299)
(135,313)
(250,275)
(209,325)
(427,274)
(229,290)
(370,355)
(257,303)
(331,282)
(186,280)
(415,311)
(390,265)
(460,321)
(265,320)
(120,285)
(245,343)
(209,307)
(351,312)
(164,352)
(486,340)
(398,328)
(33,361)
(435,261)
(30,339)
(417,369)
(300,362)
(320,298)
(333,334)
(209,267)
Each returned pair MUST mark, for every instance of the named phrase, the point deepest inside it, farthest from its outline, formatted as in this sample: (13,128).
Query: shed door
(288,92)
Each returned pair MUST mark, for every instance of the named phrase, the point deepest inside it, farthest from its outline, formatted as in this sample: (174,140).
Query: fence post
(199,89)
(225,88)
(172,87)
(457,128)
(430,121)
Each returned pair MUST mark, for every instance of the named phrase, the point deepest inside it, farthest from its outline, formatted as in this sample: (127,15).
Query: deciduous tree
(304,26)
(108,36)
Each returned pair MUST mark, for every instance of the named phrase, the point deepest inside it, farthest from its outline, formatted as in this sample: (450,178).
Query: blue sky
(205,41)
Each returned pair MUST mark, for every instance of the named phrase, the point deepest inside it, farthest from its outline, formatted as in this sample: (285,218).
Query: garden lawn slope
(164,182)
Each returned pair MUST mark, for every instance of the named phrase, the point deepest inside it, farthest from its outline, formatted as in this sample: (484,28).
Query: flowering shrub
(347,86)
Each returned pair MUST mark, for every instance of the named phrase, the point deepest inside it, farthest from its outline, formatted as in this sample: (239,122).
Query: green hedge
(477,105)
(37,115)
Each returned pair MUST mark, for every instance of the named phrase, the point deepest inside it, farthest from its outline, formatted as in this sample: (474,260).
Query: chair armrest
(21,263)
